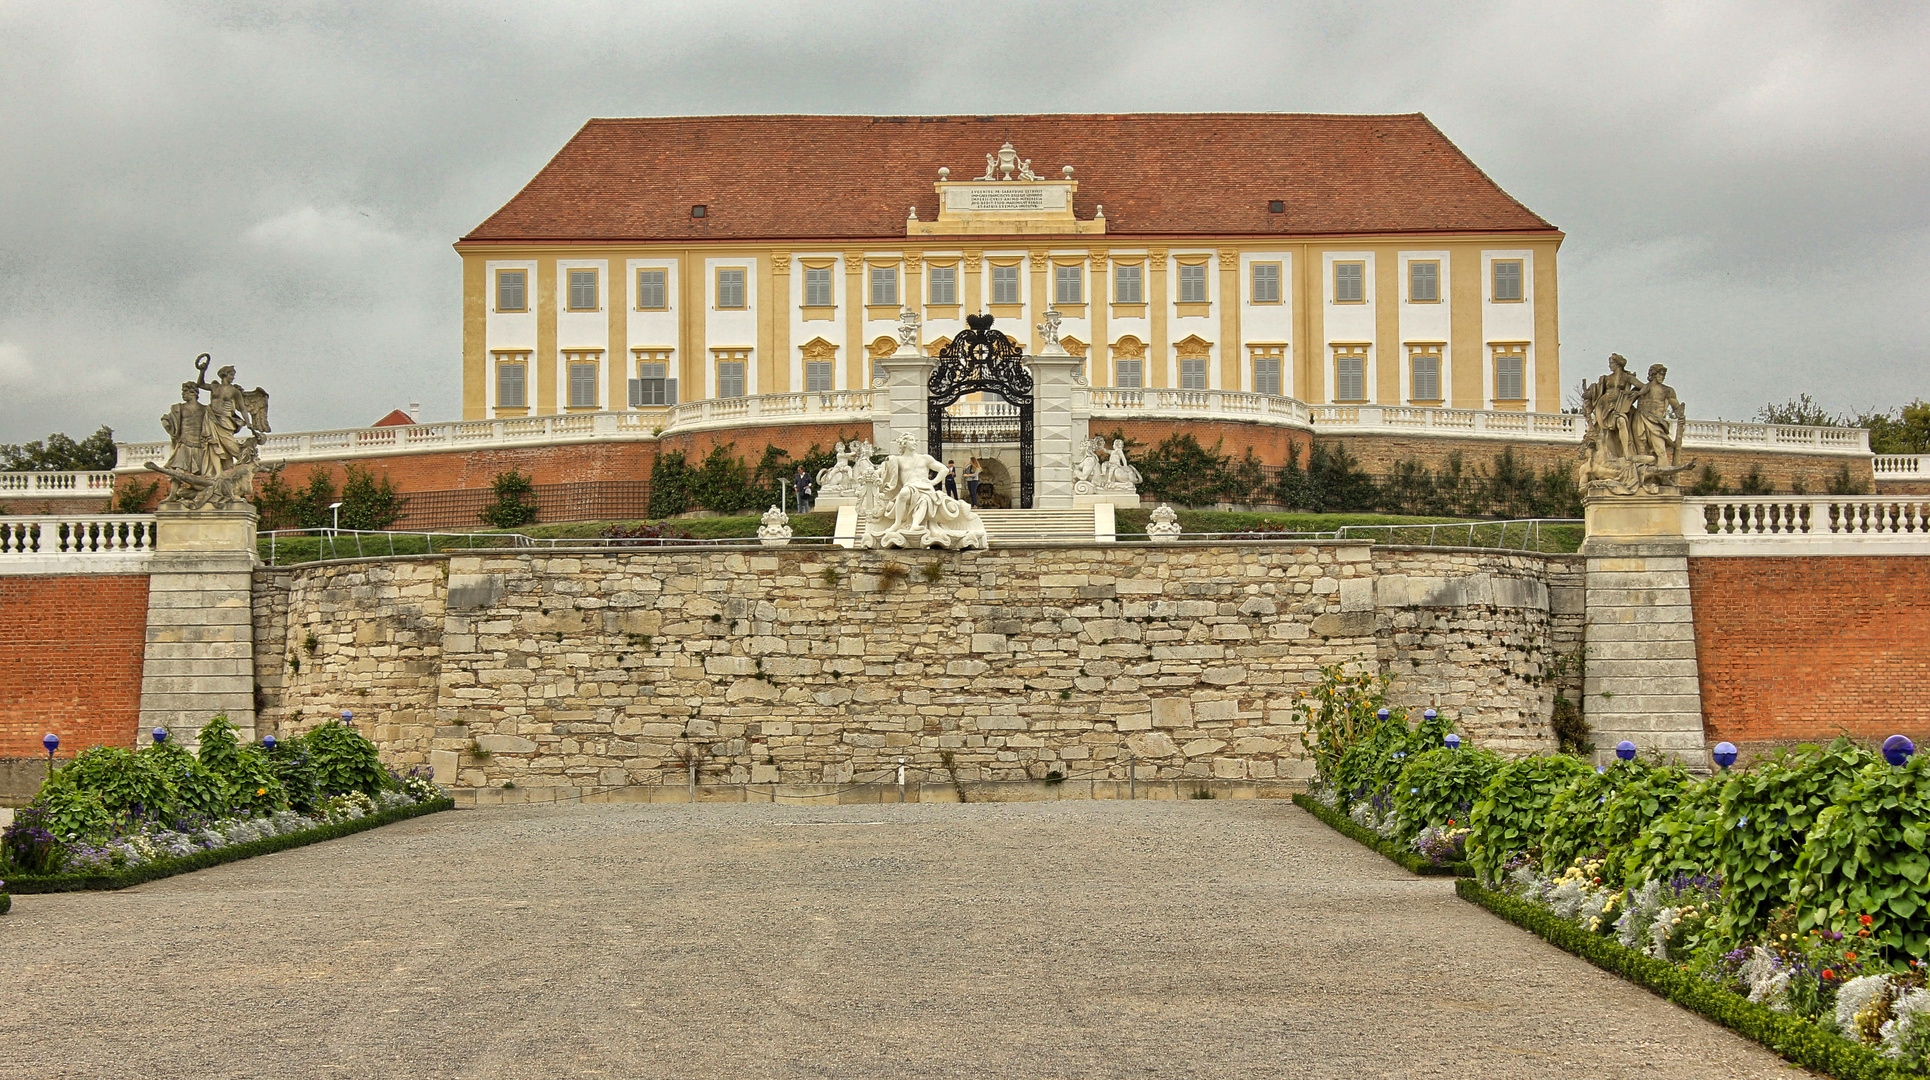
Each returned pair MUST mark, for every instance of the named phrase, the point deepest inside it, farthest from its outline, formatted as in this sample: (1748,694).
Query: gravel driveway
(1069,939)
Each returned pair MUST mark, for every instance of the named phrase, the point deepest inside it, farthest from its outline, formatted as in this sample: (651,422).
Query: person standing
(951,478)
(801,484)
(971,481)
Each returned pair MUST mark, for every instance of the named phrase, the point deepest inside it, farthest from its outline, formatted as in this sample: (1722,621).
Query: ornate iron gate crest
(982,360)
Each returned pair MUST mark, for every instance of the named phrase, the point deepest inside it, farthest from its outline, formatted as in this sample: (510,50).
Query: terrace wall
(70,660)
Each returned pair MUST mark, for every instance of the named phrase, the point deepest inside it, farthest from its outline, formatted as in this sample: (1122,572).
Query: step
(1018,526)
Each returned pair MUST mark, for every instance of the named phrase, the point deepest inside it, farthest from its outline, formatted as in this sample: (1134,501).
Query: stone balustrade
(830,407)
(1817,525)
(1569,427)
(76,543)
(55,484)
(1901,466)
(1115,403)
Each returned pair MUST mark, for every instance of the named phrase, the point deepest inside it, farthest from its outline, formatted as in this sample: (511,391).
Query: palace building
(1331,260)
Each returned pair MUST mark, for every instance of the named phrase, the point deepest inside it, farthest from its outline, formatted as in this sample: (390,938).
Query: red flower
(1865,919)
(1828,974)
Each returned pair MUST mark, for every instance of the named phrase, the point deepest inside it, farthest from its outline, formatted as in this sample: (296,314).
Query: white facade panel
(1349,322)
(1507,320)
(582,330)
(1424,321)
(730,328)
(804,331)
(1268,323)
(651,329)
(508,330)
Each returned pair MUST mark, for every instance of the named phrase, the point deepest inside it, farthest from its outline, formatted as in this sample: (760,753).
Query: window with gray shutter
(1423,282)
(817,286)
(1005,284)
(1350,283)
(1129,285)
(1130,373)
(1350,378)
(1426,377)
(944,285)
(653,290)
(1068,285)
(510,386)
(884,286)
(1192,373)
(583,384)
(817,376)
(1266,283)
(583,290)
(1507,279)
(1266,375)
(1192,284)
(730,378)
(730,288)
(1508,383)
(653,384)
(512,290)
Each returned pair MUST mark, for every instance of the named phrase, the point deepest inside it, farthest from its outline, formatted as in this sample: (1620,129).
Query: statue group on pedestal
(903,507)
(1634,433)
(1097,470)
(210,464)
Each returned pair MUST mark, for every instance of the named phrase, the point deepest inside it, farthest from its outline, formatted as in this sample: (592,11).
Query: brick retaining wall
(70,660)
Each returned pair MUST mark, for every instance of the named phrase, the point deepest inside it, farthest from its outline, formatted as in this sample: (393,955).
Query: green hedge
(6,903)
(1796,1040)
(202,860)
(1344,825)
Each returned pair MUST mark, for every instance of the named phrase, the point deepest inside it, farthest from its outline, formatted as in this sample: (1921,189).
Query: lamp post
(52,743)
(335,508)
(268,743)
(1453,741)
(160,735)
(1897,749)
(1725,754)
(1625,750)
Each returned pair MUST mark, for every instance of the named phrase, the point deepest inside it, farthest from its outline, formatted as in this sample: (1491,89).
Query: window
(1350,373)
(511,384)
(1509,368)
(583,383)
(1424,375)
(817,376)
(1005,284)
(512,290)
(1350,283)
(582,290)
(884,286)
(730,287)
(1423,282)
(1129,286)
(653,290)
(1277,206)
(653,385)
(730,378)
(1068,285)
(1507,280)
(1192,373)
(1192,283)
(944,285)
(1266,283)
(1268,360)
(817,287)
(1130,372)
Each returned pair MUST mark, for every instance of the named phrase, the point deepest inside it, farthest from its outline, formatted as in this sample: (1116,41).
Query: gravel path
(1069,939)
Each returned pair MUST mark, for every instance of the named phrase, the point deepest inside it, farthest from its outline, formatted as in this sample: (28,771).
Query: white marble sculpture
(1634,433)
(913,512)
(1119,474)
(908,332)
(776,529)
(1164,527)
(840,479)
(1086,466)
(1049,334)
(1099,471)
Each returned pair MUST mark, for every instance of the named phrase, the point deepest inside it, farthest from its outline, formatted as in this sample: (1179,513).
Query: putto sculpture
(1097,470)
(1634,433)
(210,465)
(912,511)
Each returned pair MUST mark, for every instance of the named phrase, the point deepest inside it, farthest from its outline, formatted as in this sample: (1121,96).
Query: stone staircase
(1044,526)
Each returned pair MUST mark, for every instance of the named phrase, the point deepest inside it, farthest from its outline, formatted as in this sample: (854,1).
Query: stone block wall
(586,670)
(70,660)
(1800,649)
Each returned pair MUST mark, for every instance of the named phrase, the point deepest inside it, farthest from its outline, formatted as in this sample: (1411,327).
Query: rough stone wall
(70,660)
(1800,649)
(587,670)
(361,637)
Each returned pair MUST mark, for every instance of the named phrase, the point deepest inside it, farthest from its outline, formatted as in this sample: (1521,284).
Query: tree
(1800,410)
(58,453)
(368,503)
(515,503)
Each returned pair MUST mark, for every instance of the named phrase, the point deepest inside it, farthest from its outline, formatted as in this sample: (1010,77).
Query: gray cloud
(1743,185)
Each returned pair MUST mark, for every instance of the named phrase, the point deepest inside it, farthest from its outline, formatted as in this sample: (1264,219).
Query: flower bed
(205,857)
(1412,861)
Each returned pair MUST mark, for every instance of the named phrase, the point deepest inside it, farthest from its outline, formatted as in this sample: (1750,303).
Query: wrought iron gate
(982,360)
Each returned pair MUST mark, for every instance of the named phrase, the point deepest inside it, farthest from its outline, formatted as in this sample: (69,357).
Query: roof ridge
(986,117)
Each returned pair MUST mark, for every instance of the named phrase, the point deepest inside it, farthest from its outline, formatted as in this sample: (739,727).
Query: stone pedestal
(199,659)
(899,405)
(1640,679)
(1058,425)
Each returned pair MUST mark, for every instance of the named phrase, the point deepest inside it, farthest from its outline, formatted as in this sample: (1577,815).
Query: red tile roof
(394,419)
(854,177)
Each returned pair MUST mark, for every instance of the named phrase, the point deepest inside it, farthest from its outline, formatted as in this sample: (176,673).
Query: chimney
(415,412)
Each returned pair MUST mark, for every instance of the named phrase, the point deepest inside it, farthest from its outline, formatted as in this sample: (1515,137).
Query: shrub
(1439,786)
(128,785)
(1767,813)
(368,503)
(294,768)
(1182,472)
(197,794)
(1339,712)
(134,496)
(1511,814)
(670,480)
(515,503)
(1683,840)
(1865,856)
(247,776)
(345,761)
(1605,811)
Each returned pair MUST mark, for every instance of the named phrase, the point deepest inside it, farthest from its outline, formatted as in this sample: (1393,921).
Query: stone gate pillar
(199,659)
(1057,427)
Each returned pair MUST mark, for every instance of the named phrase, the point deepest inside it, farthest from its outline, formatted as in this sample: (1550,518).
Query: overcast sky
(1743,185)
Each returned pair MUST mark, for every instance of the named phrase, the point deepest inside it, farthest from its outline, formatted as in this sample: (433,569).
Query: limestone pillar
(1061,413)
(1640,680)
(199,659)
(899,405)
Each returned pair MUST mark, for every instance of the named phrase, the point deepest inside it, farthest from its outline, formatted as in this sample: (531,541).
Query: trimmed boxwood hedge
(1412,861)
(201,860)
(1796,1040)
(6,903)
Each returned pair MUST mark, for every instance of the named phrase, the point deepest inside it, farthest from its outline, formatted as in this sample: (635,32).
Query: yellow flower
(261,791)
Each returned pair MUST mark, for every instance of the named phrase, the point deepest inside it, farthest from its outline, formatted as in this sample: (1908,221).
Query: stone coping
(987,791)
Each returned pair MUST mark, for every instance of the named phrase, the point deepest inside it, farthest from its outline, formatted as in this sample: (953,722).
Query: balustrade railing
(55,484)
(47,535)
(1901,466)
(1796,521)
(1118,403)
